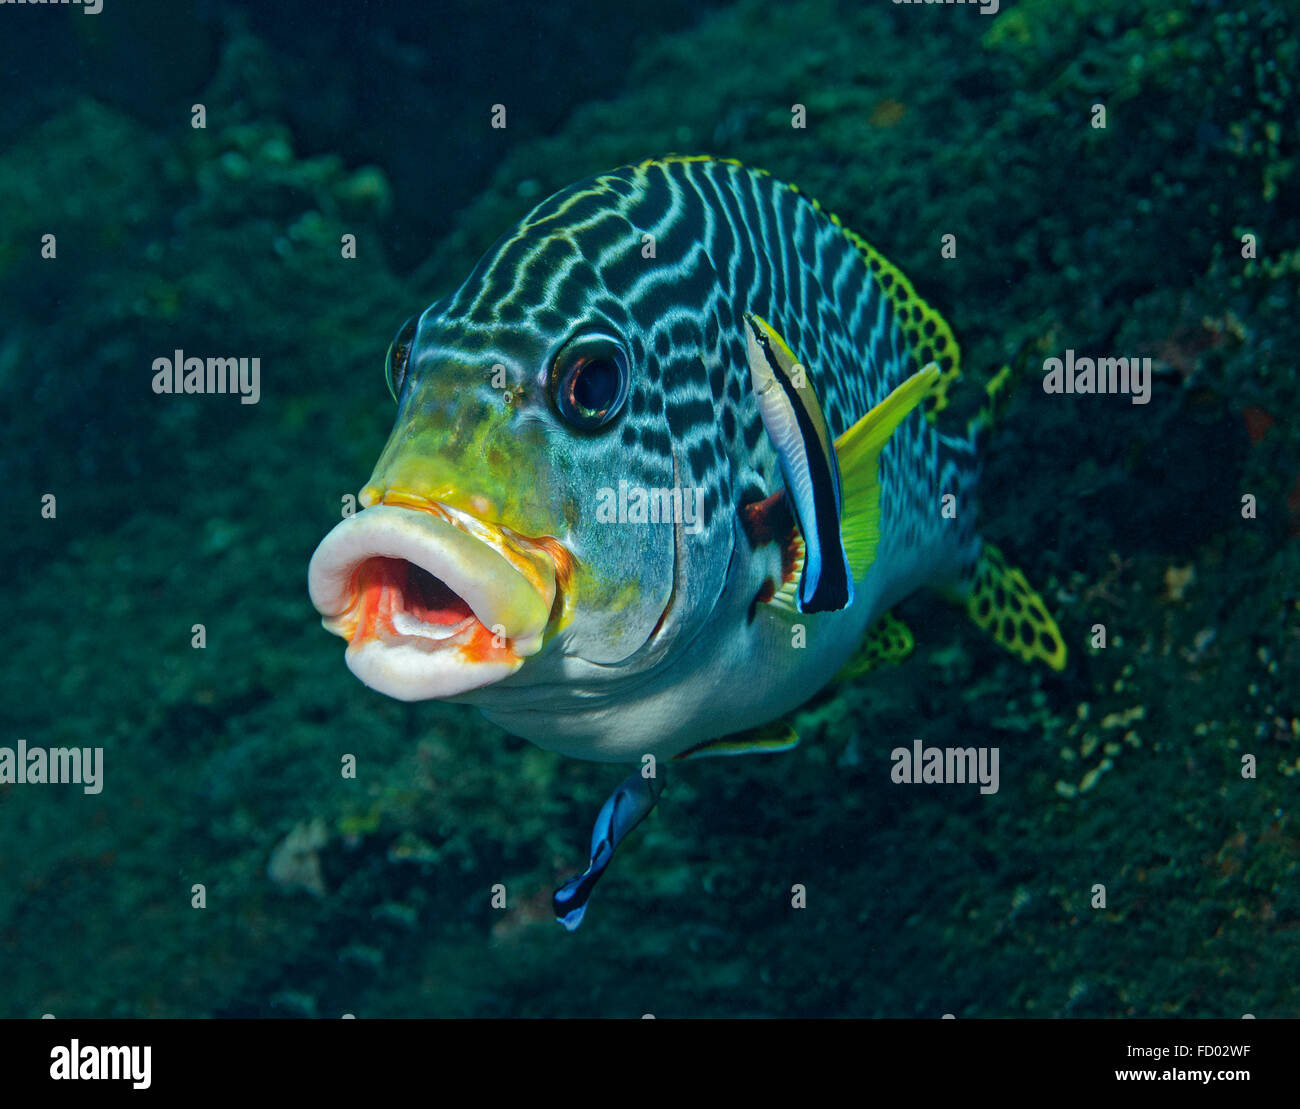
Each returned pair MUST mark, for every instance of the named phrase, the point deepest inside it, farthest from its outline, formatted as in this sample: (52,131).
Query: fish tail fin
(1003,603)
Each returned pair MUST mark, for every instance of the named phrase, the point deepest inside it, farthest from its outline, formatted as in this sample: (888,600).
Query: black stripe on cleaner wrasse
(524,545)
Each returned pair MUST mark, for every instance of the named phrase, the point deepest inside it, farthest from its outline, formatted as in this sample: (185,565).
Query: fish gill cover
(275,190)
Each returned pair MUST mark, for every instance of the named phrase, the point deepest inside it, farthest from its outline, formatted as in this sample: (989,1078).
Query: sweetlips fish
(661,466)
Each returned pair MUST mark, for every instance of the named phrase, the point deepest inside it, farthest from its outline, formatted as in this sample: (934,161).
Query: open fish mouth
(433,601)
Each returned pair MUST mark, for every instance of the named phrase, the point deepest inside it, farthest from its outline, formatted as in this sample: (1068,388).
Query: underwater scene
(695,509)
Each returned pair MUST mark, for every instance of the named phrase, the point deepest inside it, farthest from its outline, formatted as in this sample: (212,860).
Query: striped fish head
(535,520)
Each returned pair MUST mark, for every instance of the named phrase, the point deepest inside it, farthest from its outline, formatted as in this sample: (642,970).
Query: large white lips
(433,603)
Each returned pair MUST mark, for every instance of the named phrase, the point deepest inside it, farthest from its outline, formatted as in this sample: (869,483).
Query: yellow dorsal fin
(928,336)
(858,451)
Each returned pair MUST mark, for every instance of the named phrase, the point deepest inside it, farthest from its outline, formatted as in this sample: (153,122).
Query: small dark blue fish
(626,808)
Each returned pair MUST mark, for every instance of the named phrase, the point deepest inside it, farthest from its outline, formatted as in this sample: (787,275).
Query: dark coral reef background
(327,895)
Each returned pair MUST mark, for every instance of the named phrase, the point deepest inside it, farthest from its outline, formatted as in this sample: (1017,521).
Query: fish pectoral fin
(769,739)
(887,642)
(858,450)
(627,806)
(1006,606)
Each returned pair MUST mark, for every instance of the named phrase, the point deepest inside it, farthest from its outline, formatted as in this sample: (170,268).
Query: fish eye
(399,351)
(589,380)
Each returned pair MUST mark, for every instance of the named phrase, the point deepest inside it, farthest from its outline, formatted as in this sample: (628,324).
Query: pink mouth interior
(389,585)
